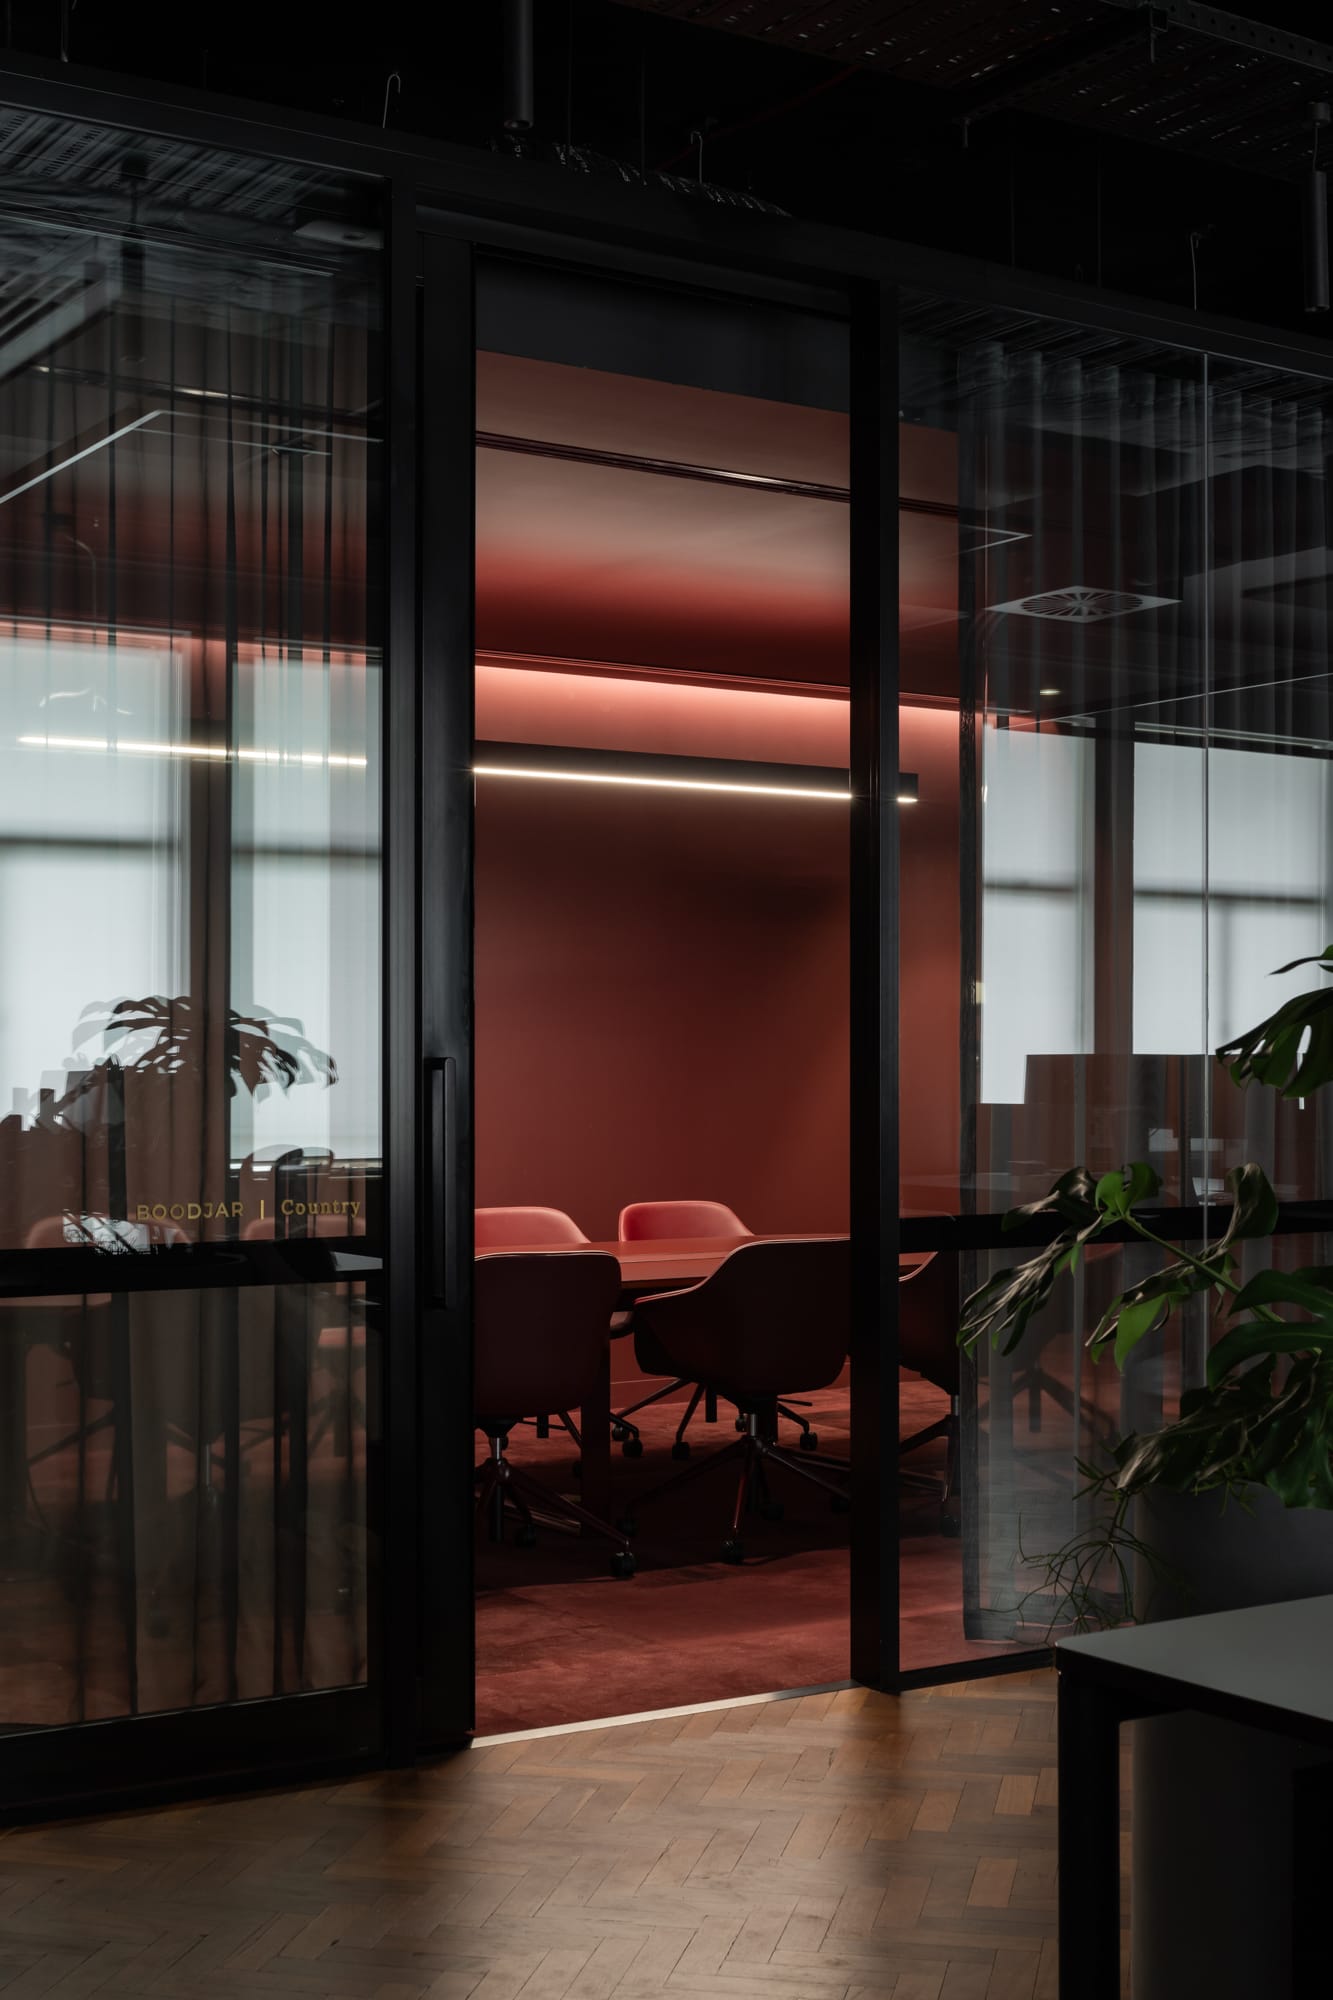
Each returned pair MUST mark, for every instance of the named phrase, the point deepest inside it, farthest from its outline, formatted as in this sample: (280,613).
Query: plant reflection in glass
(1264,1415)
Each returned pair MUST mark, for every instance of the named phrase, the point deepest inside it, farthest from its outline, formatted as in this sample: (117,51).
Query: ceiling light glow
(656,784)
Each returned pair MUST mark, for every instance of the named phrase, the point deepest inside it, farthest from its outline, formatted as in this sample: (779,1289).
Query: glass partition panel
(1269,738)
(1073,464)
(1139,668)
(189,900)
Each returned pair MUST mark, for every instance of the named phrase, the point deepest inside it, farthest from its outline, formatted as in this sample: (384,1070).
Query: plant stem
(1183,1256)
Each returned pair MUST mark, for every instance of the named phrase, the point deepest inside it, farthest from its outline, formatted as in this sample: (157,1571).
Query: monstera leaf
(162,1037)
(1292,1051)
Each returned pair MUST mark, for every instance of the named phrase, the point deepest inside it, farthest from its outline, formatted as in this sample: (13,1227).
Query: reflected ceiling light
(87,452)
(1080,604)
(1048,691)
(213,753)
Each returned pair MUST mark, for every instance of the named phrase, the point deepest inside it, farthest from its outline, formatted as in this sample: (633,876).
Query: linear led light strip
(211,752)
(654,784)
(673,784)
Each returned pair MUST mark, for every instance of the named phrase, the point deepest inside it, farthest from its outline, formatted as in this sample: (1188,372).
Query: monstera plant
(1263,1416)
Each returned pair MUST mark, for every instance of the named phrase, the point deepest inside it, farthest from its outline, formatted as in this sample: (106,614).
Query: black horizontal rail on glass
(1178,1225)
(186,1267)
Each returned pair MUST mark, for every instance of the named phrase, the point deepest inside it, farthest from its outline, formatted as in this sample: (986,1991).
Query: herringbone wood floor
(831,1846)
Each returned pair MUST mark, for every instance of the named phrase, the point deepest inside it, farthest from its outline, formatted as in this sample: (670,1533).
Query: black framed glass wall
(189,893)
(1127,645)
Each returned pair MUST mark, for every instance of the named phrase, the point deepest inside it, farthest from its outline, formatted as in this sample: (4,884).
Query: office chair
(928,1344)
(772,1317)
(653,1222)
(502,1229)
(540,1330)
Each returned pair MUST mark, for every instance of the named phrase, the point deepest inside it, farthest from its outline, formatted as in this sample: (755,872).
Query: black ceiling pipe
(518,66)
(1316,221)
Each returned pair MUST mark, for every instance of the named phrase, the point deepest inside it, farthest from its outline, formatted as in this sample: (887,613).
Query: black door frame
(442,203)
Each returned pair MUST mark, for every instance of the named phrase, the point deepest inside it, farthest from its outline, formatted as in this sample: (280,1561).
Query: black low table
(1270,1668)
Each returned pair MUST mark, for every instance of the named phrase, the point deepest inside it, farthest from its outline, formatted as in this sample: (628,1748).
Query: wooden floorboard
(829,1847)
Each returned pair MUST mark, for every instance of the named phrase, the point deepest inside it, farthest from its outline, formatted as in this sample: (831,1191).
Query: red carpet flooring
(560,1641)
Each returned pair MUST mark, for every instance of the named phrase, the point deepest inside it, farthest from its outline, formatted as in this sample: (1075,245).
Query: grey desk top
(1276,1659)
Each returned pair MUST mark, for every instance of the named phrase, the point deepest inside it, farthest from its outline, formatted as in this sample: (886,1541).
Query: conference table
(663,1265)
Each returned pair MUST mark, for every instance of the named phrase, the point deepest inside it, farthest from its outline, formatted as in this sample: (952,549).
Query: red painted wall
(662,1002)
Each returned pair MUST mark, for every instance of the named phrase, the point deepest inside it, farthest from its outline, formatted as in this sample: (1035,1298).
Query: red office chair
(652,1222)
(502,1229)
(773,1317)
(541,1325)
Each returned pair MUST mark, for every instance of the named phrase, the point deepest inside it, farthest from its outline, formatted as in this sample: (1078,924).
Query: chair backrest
(928,1318)
(541,1326)
(650,1221)
(773,1318)
(496,1228)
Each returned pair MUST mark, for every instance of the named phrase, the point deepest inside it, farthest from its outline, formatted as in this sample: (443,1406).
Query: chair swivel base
(751,1458)
(944,1490)
(499,1483)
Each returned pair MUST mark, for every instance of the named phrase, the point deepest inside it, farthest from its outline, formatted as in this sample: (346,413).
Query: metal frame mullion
(443,915)
(874,986)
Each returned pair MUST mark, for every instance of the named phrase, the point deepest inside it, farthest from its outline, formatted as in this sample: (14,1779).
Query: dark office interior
(665,1168)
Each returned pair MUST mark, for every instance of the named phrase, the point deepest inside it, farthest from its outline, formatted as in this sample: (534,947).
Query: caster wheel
(950,1525)
(840,1504)
(632,1447)
(525,1537)
(618,1434)
(628,1525)
(623,1563)
(809,1440)
(771,1510)
(680,1449)
(733,1552)
(739,1424)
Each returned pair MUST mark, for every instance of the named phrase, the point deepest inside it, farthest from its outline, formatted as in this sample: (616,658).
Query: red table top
(685,1259)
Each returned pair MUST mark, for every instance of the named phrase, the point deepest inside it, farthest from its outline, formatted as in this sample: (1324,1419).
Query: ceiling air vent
(1076,604)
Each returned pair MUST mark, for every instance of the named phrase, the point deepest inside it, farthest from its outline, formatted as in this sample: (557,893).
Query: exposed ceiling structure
(1157,150)
(1169,72)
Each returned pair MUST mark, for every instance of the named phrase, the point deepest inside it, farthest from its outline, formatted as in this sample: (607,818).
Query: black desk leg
(1312,1860)
(1089,1841)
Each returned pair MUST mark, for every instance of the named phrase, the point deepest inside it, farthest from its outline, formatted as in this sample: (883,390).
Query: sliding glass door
(190,867)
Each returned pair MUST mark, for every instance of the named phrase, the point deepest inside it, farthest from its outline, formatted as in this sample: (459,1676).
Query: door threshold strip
(661,1714)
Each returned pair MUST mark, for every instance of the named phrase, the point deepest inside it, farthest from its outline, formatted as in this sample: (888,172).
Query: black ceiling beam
(1212,25)
(1062,54)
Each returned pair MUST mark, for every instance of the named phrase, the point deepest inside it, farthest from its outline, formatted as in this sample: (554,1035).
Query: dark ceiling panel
(948,44)
(1175,73)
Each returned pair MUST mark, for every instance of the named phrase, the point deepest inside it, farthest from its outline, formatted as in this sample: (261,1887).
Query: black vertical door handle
(440,1233)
